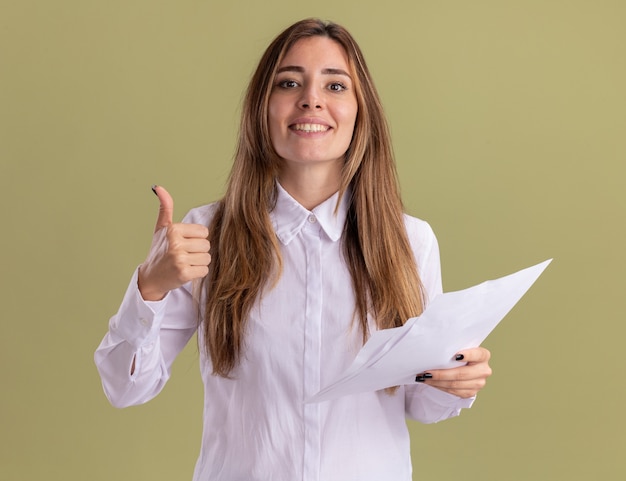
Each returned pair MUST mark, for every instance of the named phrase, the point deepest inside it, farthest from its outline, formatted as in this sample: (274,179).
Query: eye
(287,84)
(337,87)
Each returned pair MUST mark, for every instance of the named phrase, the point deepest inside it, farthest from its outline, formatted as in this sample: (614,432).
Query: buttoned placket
(312,347)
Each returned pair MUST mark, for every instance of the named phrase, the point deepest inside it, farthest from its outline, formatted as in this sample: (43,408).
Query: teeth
(311,127)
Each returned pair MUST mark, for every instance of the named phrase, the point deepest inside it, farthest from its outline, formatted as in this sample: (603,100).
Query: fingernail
(154,189)
(459,357)
(423,377)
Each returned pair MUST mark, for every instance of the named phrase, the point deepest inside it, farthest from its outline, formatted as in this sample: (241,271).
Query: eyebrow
(325,71)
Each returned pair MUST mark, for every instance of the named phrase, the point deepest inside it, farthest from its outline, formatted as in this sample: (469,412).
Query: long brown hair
(244,249)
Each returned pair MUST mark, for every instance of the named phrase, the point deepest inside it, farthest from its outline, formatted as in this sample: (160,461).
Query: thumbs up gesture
(179,253)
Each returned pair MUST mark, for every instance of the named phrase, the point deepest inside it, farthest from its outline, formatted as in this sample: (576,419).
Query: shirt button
(143,321)
(312,219)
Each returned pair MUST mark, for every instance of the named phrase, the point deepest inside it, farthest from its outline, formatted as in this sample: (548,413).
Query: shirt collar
(289,217)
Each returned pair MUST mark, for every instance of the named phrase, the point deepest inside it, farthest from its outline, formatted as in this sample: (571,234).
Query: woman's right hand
(179,253)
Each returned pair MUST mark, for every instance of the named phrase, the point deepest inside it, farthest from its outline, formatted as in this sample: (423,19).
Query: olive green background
(509,125)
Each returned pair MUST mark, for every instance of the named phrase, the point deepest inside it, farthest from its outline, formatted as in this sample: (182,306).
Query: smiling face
(313,106)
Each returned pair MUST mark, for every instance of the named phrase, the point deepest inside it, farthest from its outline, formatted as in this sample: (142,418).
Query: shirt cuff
(443,398)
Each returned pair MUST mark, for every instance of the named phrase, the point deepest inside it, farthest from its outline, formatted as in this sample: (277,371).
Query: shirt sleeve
(422,402)
(149,334)
(427,404)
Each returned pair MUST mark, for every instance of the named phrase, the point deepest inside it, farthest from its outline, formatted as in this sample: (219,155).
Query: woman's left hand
(463,381)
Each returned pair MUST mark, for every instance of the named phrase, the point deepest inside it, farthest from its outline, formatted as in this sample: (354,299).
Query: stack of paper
(452,321)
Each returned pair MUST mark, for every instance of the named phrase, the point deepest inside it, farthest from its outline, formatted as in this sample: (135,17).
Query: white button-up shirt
(301,334)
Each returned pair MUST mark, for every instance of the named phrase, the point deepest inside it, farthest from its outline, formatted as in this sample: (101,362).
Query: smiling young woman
(309,252)
(298,78)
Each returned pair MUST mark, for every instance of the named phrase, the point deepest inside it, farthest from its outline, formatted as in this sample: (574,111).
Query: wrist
(148,293)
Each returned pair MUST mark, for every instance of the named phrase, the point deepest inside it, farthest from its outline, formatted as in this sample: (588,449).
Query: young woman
(310,251)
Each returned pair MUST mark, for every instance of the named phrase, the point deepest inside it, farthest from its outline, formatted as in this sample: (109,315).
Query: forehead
(316,51)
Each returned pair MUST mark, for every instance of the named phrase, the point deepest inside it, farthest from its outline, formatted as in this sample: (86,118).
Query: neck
(311,185)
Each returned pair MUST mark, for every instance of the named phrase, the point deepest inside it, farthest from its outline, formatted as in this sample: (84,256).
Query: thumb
(166,207)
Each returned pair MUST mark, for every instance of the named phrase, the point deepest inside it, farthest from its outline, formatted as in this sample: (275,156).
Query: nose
(310,99)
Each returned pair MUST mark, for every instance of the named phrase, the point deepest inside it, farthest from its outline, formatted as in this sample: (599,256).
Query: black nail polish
(423,377)
(419,379)
(459,357)
(154,189)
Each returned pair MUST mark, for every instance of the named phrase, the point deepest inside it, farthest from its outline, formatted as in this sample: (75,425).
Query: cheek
(277,111)
(273,120)
(348,117)
(348,110)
